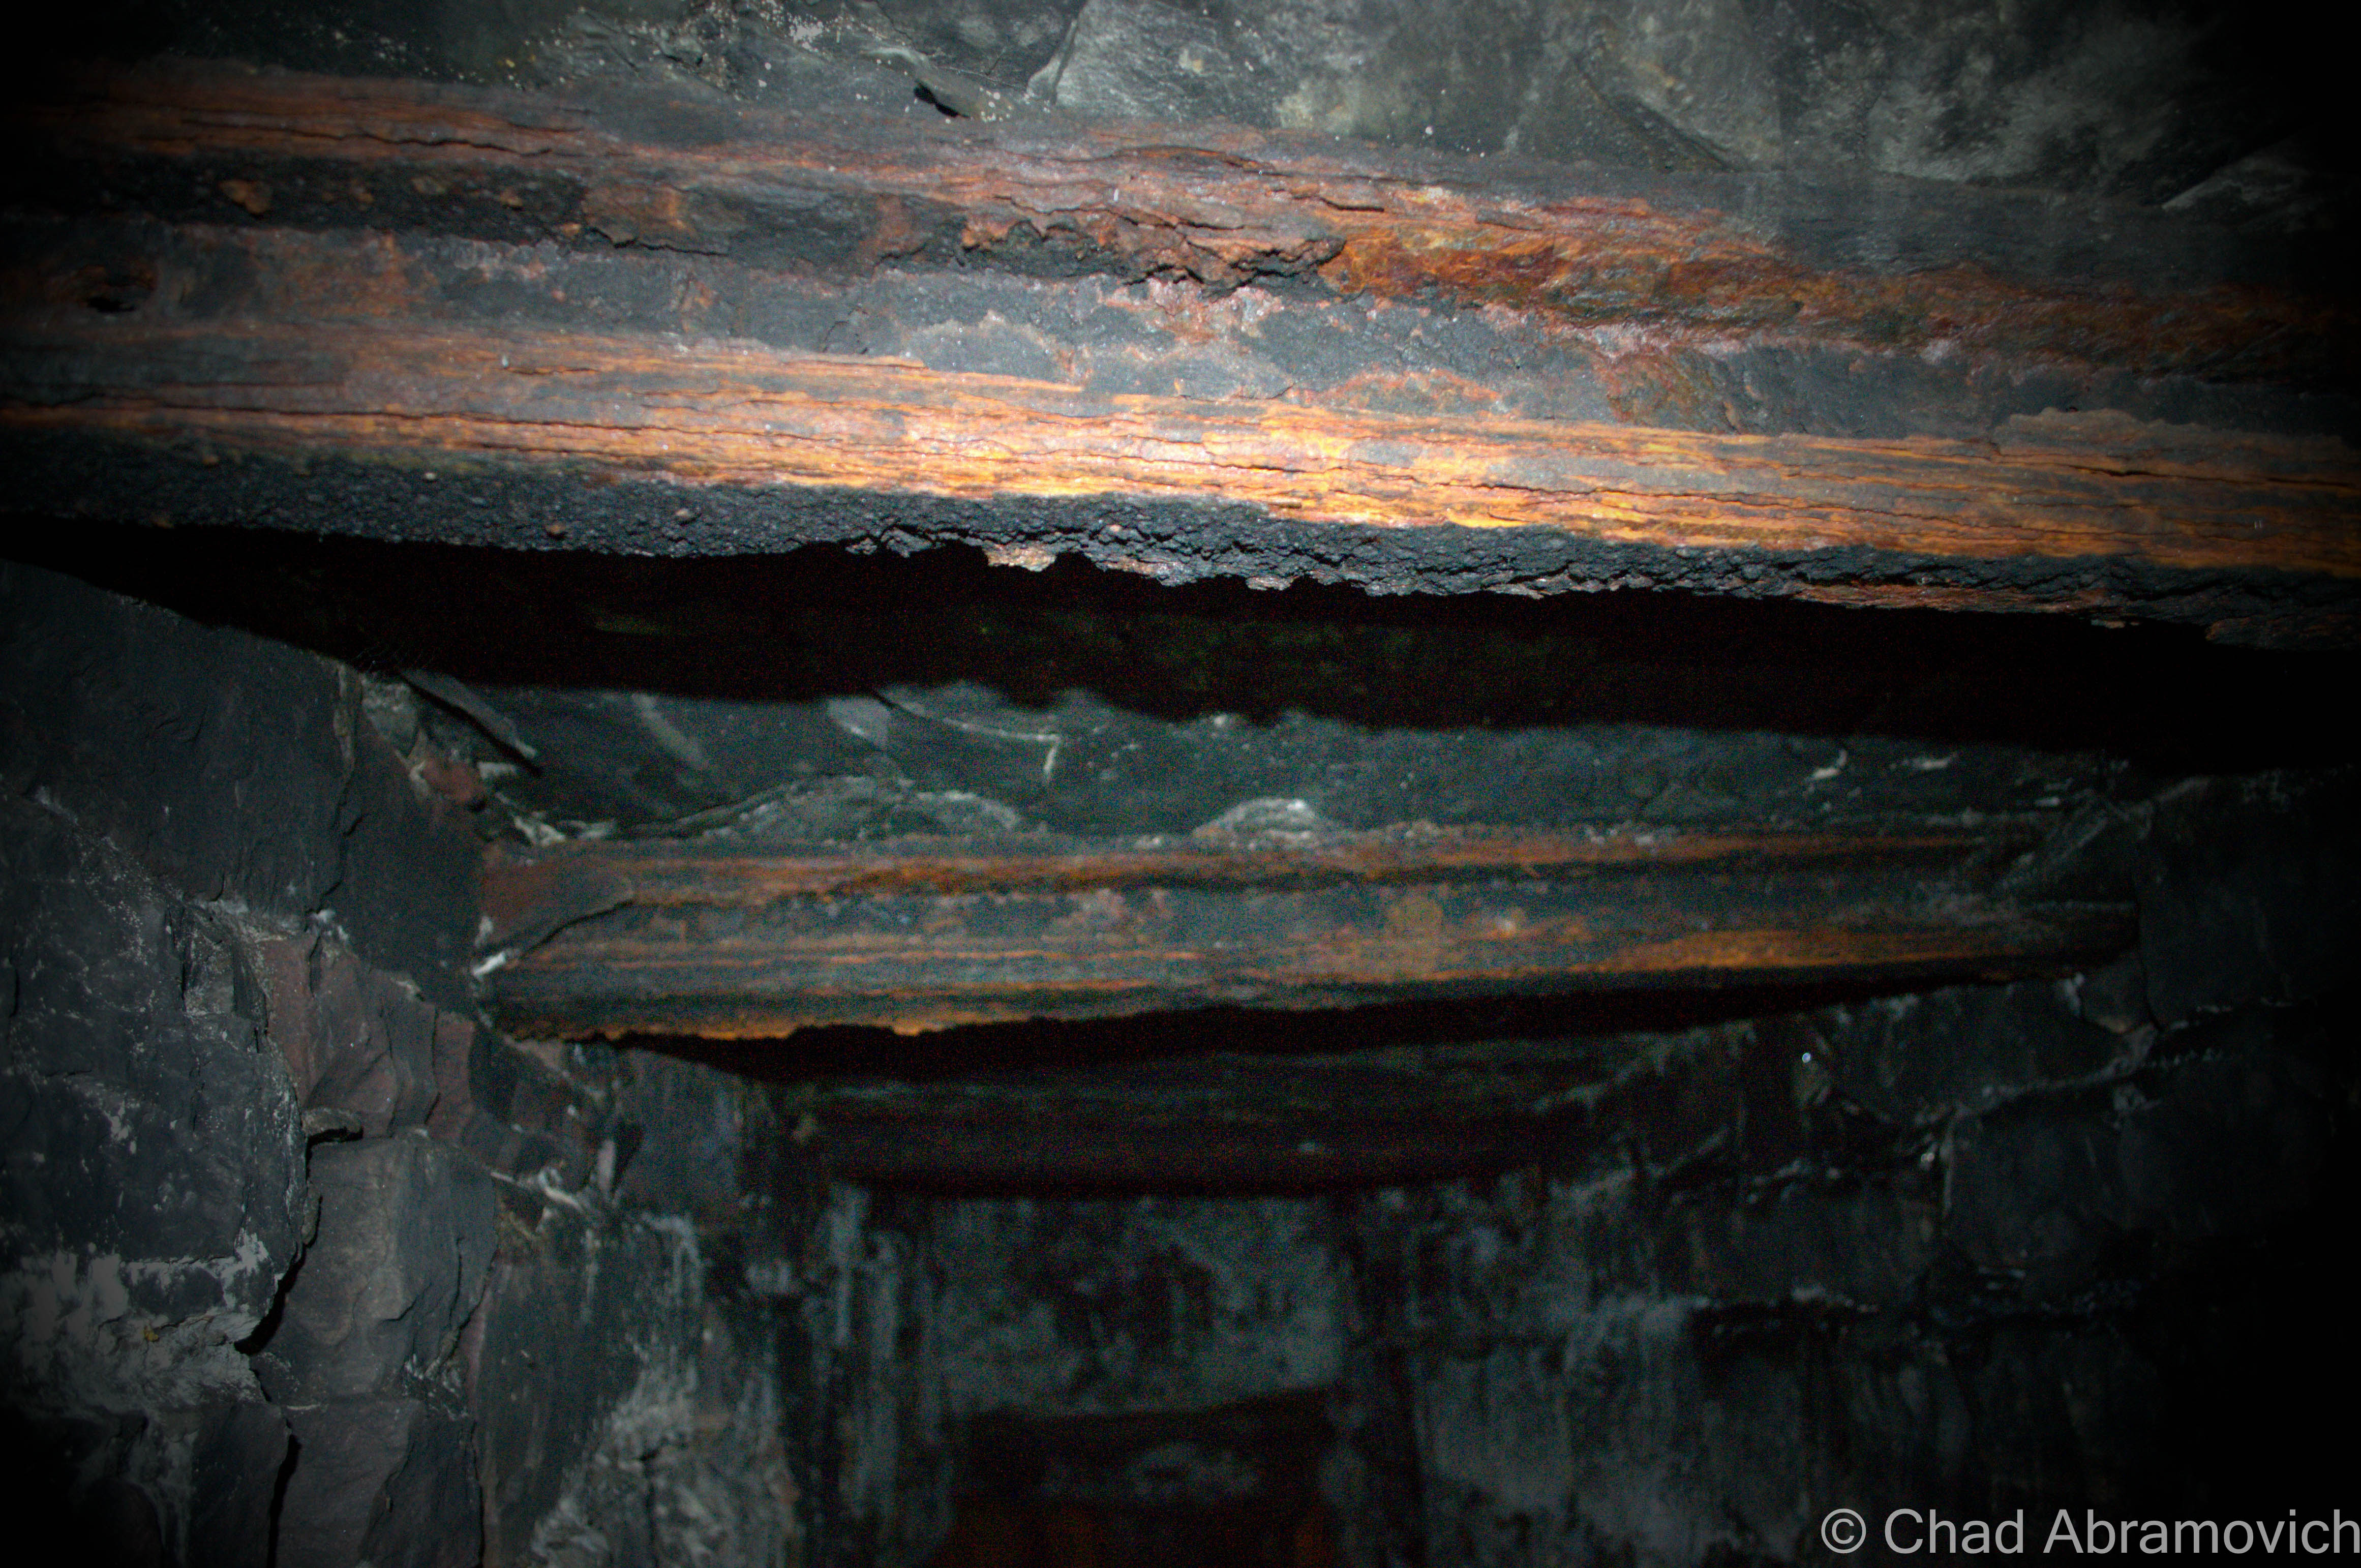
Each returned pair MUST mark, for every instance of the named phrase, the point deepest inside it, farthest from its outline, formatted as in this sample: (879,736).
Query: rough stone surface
(1901,1057)
(386,1482)
(2252,890)
(670,1452)
(625,1364)
(687,1129)
(239,1454)
(376,1307)
(870,1451)
(235,769)
(155,1179)
(133,1067)
(1611,1369)
(183,803)
(362,1047)
(1060,1306)
(153,1196)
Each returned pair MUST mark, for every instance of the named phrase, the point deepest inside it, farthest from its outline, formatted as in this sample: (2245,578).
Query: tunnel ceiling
(1208,887)
(1036,522)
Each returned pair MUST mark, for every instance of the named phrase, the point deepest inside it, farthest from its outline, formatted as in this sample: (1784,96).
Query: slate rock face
(543,1391)
(387,1482)
(365,1049)
(89,1477)
(629,1415)
(128,1067)
(2219,1146)
(1676,1379)
(405,1234)
(151,1197)
(1058,1307)
(224,919)
(234,1479)
(2138,101)
(686,1128)
(2252,889)
(1907,1057)
(1000,40)
(917,1323)
(231,768)
(177,800)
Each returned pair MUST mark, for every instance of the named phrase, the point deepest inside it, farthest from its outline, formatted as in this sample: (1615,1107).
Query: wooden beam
(1863,260)
(614,938)
(360,325)
(743,417)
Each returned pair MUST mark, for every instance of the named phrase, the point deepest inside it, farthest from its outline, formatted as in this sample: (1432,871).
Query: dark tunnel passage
(1122,784)
(1312,1284)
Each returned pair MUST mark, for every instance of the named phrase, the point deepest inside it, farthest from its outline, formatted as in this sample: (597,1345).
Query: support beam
(612,938)
(422,311)
(431,400)
(1864,260)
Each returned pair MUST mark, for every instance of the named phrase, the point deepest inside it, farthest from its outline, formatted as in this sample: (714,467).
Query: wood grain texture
(1825,258)
(740,415)
(326,291)
(716,941)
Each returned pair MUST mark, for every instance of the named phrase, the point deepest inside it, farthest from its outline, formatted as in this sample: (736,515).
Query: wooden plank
(744,418)
(308,349)
(521,889)
(714,941)
(1867,260)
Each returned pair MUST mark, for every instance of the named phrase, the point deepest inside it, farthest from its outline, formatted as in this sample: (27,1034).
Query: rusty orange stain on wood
(742,414)
(1241,206)
(914,983)
(925,933)
(657,872)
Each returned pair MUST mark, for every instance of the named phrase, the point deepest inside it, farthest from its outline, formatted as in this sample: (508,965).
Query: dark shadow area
(1228,1103)
(1053,1047)
(1234,1487)
(824,622)
(1656,1274)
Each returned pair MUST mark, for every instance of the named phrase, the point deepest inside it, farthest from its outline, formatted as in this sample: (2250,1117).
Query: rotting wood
(1877,261)
(606,939)
(740,417)
(528,896)
(292,354)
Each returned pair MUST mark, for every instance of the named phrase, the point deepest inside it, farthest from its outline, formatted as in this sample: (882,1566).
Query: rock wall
(176,799)
(154,1197)
(298,1263)
(921,1322)
(2054,1243)
(2041,1245)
